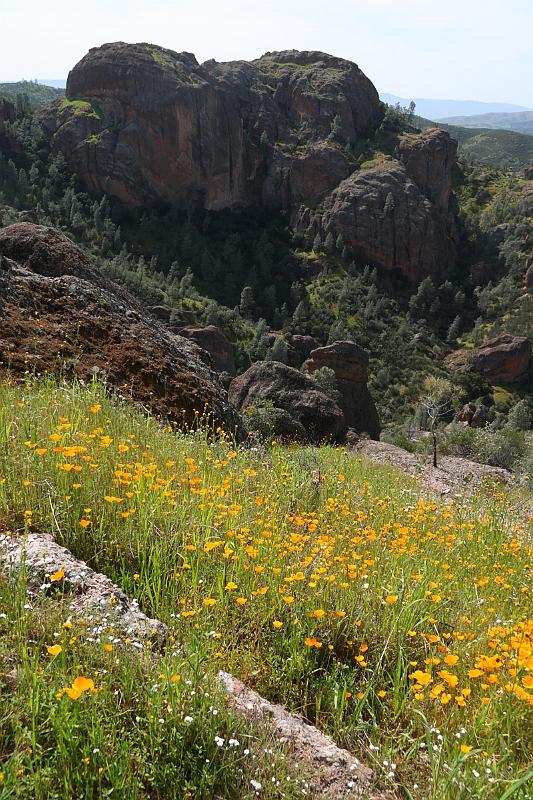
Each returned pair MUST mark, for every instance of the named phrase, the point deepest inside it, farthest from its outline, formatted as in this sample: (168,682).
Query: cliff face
(146,124)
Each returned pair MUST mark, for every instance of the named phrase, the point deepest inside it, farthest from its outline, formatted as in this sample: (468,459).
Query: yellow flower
(423,678)
(208,546)
(108,648)
(310,641)
(230,586)
(209,601)
(55,577)
(85,523)
(277,624)
(79,686)
(450,660)
(466,748)
(475,673)
(391,598)
(241,601)
(175,678)
(55,649)
(449,678)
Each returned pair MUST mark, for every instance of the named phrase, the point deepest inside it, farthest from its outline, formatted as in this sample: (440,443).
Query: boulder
(472,416)
(350,365)
(216,343)
(61,315)
(504,359)
(316,417)
(300,348)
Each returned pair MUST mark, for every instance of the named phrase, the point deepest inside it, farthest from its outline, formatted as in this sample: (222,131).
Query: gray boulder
(315,416)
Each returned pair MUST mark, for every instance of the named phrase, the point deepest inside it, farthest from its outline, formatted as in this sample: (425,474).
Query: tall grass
(400,626)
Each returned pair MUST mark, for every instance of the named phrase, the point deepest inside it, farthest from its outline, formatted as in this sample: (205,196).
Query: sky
(461,49)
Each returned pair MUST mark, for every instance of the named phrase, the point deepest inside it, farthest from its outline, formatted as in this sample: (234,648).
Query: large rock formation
(216,343)
(147,125)
(504,359)
(143,123)
(59,314)
(350,365)
(395,212)
(312,415)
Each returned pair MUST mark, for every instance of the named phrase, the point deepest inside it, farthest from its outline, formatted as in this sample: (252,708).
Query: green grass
(81,108)
(326,583)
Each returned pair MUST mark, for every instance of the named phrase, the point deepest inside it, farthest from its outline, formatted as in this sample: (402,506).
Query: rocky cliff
(147,125)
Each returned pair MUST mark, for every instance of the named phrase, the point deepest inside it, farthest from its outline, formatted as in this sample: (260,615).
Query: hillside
(410,257)
(521,121)
(502,149)
(327,583)
(38,94)
(266,440)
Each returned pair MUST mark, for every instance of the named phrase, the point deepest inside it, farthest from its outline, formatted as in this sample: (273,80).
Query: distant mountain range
(520,121)
(442,110)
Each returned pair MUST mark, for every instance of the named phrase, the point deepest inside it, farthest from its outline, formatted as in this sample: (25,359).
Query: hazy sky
(461,49)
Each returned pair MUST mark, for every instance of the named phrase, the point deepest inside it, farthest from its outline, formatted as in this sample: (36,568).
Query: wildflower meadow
(399,624)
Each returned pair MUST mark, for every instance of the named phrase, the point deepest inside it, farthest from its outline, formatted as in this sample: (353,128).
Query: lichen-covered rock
(60,314)
(505,359)
(318,417)
(93,594)
(350,365)
(334,773)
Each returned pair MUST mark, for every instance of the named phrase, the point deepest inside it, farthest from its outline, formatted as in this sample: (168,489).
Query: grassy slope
(502,149)
(38,94)
(327,584)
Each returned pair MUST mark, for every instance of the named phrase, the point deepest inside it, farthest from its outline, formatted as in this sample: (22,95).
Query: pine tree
(247,304)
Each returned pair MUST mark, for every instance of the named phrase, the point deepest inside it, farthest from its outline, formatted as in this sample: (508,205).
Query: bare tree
(436,404)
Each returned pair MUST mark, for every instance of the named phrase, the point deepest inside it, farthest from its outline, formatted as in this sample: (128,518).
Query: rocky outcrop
(429,159)
(335,774)
(395,212)
(147,125)
(93,595)
(59,314)
(472,416)
(315,416)
(350,365)
(504,359)
(216,343)
(144,123)
(300,347)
